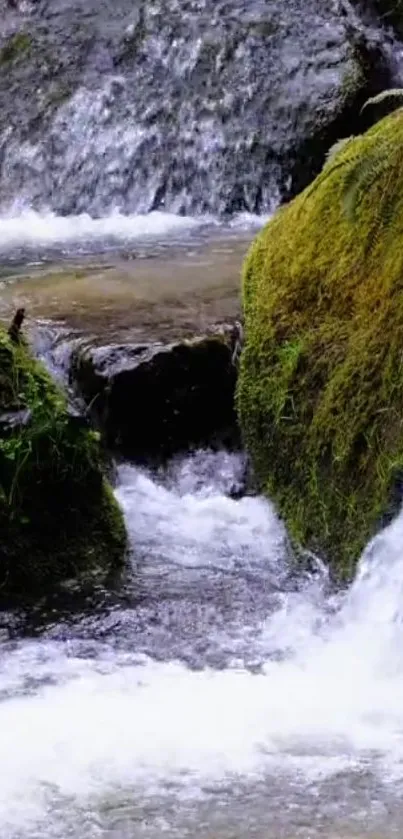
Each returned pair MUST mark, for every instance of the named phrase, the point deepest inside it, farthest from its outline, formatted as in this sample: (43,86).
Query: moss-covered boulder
(320,394)
(58,516)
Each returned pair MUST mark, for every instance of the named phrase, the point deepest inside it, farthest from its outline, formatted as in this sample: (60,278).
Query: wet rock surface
(184,106)
(152,400)
(10,420)
(389,13)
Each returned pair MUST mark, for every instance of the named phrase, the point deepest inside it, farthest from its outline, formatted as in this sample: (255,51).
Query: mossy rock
(320,393)
(15,47)
(58,515)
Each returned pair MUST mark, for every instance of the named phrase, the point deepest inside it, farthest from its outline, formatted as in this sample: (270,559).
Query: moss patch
(16,46)
(58,516)
(320,394)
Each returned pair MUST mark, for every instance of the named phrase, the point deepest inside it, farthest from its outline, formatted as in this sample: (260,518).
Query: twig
(15,328)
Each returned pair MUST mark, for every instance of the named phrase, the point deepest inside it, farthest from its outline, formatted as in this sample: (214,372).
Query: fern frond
(323,175)
(360,177)
(335,149)
(394,95)
(385,212)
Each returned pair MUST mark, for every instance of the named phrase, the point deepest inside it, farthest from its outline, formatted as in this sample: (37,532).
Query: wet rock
(370,73)
(11,420)
(192,107)
(387,12)
(151,400)
(76,418)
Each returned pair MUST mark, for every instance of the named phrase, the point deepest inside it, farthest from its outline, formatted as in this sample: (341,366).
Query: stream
(216,694)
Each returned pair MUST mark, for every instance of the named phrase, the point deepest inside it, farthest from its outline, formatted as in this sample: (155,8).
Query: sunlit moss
(320,395)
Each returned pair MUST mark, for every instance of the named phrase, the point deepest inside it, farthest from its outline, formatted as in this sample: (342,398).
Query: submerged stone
(152,400)
(58,516)
(320,395)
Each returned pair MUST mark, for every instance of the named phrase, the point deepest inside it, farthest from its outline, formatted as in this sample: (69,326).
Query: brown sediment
(163,297)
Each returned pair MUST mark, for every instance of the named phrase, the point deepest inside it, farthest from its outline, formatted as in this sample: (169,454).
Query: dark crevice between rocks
(388,13)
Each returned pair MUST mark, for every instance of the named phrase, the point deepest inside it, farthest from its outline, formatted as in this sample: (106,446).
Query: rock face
(191,106)
(58,517)
(154,400)
(320,394)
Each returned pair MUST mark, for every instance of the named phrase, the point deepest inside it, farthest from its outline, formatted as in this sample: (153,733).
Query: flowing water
(218,695)
(215,693)
(186,106)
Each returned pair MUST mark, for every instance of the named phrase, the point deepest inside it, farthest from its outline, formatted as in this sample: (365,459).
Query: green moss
(320,394)
(16,46)
(58,516)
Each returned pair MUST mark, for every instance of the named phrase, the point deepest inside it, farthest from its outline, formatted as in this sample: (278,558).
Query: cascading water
(218,694)
(193,107)
(229,700)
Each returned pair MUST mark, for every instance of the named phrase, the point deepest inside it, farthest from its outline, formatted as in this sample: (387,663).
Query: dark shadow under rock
(388,13)
(152,400)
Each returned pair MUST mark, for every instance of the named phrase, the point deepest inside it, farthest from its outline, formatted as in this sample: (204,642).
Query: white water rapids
(219,693)
(230,699)
(30,228)
(25,232)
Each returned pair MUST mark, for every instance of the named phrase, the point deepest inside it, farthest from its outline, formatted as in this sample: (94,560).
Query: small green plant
(392,98)
(16,46)
(363,170)
(27,389)
(58,516)
(367,169)
(288,359)
(335,149)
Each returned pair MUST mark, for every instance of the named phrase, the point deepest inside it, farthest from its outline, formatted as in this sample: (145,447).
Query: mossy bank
(58,516)
(320,393)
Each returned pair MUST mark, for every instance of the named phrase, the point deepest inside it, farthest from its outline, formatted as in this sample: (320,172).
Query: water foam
(191,520)
(79,728)
(32,228)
